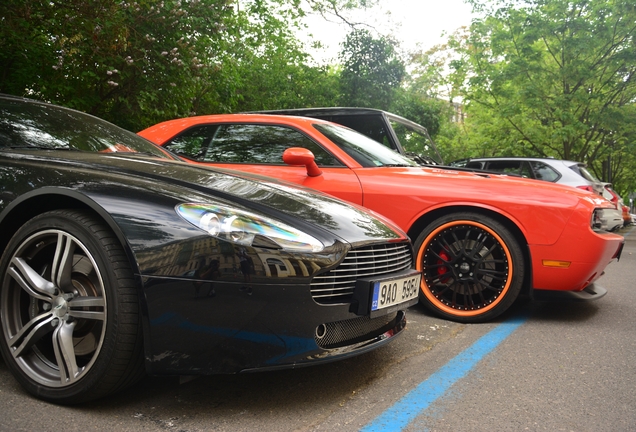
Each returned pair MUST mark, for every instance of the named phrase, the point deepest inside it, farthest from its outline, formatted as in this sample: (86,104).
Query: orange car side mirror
(302,156)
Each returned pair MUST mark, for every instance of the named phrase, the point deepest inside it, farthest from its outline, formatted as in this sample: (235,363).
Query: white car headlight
(241,227)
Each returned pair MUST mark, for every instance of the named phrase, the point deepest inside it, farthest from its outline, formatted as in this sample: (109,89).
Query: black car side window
(475,165)
(526,170)
(260,144)
(505,166)
(372,126)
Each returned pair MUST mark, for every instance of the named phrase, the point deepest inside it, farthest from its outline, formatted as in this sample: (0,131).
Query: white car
(617,220)
(553,170)
(566,172)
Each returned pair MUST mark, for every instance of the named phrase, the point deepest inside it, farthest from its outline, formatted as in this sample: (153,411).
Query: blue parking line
(420,398)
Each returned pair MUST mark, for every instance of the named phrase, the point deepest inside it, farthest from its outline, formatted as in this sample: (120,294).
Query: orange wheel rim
(466,266)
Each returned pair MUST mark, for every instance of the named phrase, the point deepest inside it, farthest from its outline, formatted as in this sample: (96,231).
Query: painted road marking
(421,397)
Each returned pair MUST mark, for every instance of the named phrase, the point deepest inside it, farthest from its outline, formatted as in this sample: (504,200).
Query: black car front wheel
(472,267)
(69,309)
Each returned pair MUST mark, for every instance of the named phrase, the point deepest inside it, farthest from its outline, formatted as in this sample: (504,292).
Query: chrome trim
(336,286)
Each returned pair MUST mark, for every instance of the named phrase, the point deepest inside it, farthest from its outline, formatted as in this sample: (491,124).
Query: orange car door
(258,148)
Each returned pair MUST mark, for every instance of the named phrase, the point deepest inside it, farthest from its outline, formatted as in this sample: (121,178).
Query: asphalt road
(544,366)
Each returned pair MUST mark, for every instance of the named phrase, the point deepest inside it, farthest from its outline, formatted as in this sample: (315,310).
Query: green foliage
(335,8)
(371,70)
(431,89)
(426,111)
(537,77)
(550,78)
(138,62)
(621,164)
(129,62)
(273,68)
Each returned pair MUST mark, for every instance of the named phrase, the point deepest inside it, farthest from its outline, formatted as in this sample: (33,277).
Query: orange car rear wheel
(472,267)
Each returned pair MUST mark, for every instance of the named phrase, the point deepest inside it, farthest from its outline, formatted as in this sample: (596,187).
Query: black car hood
(300,207)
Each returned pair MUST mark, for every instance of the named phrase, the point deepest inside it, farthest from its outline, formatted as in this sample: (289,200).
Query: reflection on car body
(391,130)
(120,259)
(480,239)
(566,172)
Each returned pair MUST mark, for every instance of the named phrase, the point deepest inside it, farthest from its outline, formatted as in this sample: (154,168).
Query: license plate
(393,292)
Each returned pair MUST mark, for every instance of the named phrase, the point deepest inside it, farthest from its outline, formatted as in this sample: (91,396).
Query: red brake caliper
(442,270)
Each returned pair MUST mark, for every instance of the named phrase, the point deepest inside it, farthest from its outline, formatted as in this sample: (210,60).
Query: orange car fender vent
(558,264)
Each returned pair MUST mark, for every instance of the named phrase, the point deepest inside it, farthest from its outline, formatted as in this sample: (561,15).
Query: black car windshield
(415,141)
(34,125)
(364,150)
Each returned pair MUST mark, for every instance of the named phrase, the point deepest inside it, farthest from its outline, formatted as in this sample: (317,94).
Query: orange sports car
(480,239)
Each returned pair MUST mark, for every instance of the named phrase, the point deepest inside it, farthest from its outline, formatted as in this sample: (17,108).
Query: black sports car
(118,260)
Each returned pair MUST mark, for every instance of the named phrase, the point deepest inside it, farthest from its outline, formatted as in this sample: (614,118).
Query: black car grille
(356,330)
(336,286)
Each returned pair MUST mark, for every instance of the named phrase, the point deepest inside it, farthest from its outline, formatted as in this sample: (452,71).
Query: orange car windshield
(363,149)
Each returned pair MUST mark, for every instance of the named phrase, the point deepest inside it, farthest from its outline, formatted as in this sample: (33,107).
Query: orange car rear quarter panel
(588,253)
(405,195)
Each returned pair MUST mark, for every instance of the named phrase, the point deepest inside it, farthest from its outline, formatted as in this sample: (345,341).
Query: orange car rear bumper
(575,261)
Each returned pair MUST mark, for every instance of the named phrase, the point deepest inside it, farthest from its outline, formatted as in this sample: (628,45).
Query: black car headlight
(247,229)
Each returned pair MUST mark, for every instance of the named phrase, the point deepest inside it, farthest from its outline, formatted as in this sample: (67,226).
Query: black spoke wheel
(69,309)
(472,267)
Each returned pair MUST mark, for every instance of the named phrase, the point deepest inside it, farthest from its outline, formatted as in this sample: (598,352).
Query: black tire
(69,309)
(472,267)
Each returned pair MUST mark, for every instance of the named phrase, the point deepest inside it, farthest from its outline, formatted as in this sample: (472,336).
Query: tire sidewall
(70,222)
(513,247)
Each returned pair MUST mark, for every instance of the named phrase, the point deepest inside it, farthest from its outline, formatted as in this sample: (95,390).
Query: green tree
(129,62)
(371,70)
(549,78)
(138,62)
(273,70)
(427,97)
(621,163)
(426,111)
